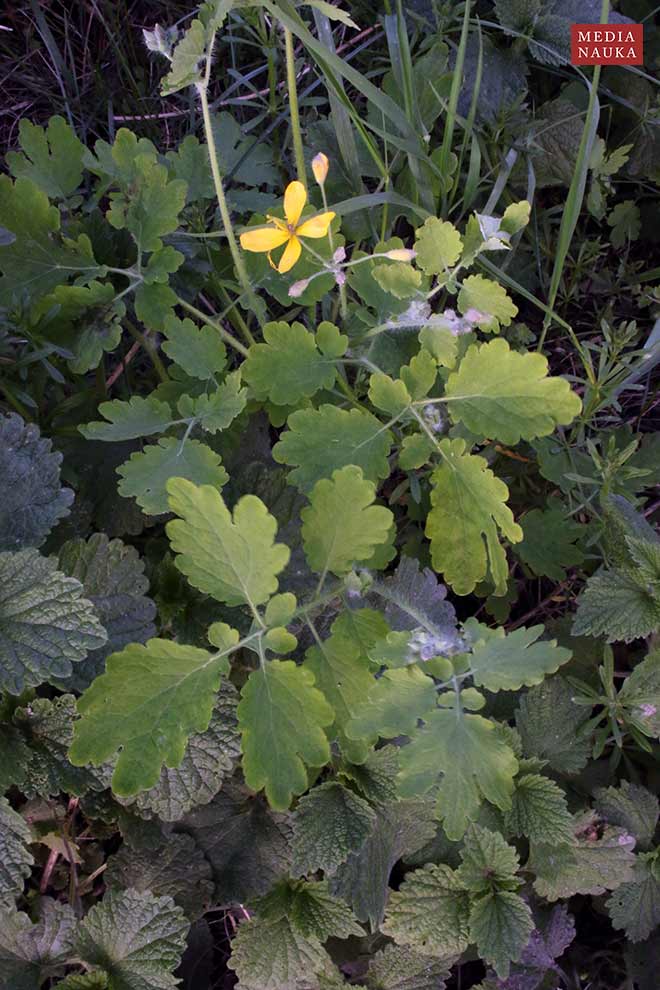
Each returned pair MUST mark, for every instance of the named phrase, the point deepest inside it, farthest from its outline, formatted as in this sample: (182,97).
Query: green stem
(293,106)
(226,336)
(152,351)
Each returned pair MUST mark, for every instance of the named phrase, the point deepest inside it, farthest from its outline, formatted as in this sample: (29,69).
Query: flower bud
(401,254)
(320,166)
(339,255)
(298,288)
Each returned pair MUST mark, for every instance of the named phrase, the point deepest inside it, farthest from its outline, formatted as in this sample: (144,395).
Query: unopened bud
(298,288)
(401,254)
(320,166)
(339,255)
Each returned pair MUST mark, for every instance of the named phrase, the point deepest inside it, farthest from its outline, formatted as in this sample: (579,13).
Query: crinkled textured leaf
(282,716)
(330,823)
(548,545)
(175,867)
(489,298)
(398,967)
(31,498)
(539,812)
(146,474)
(402,827)
(288,366)
(376,778)
(51,158)
(139,417)
(395,703)
(15,857)
(594,864)
(487,862)
(136,938)
(148,703)
(538,957)
(30,953)
(507,662)
(429,912)
(274,955)
(113,579)
(641,695)
(438,245)
(95,980)
(14,757)
(500,924)
(507,395)
(547,720)
(469,508)
(247,845)
(635,905)
(199,351)
(619,606)
(45,624)
(38,257)
(549,24)
(234,559)
(631,807)
(209,758)
(474,760)
(319,441)
(317,913)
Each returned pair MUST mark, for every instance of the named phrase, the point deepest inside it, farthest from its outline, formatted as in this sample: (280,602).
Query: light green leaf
(539,811)
(474,760)
(635,905)
(199,351)
(507,395)
(500,924)
(429,912)
(504,662)
(32,953)
(330,341)
(147,473)
(548,545)
(150,208)
(282,717)
(515,217)
(217,410)
(489,298)
(45,624)
(420,374)
(190,162)
(401,280)
(640,695)
(416,450)
(288,366)
(631,807)
(148,703)
(438,245)
(319,441)
(626,223)
(396,701)
(487,862)
(469,507)
(51,159)
(397,967)
(342,525)
(94,980)
(548,720)
(233,558)
(316,913)
(330,823)
(16,860)
(153,304)
(592,864)
(138,939)
(272,955)
(162,263)
(619,605)
(187,60)
(388,394)
(139,417)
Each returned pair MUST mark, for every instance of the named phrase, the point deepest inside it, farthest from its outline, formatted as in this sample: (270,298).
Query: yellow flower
(287,231)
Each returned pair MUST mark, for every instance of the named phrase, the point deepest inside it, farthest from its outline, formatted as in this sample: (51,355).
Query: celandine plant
(302,715)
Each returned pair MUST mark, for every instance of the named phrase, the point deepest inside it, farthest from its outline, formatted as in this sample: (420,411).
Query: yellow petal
(263,239)
(316,226)
(291,254)
(295,197)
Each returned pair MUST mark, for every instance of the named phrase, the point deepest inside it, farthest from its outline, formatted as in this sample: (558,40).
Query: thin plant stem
(293,106)
(150,349)
(226,336)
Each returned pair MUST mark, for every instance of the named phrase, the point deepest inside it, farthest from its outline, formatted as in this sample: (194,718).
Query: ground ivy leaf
(247,845)
(438,245)
(138,939)
(402,827)
(500,924)
(31,498)
(330,822)
(113,579)
(342,525)
(395,703)
(45,624)
(631,807)
(539,811)
(474,760)
(210,757)
(31,953)
(94,980)
(619,605)
(429,912)
(175,868)
(468,509)
(547,720)
(398,967)
(549,539)
(315,912)
(640,695)
(271,955)
(318,441)
(488,298)
(200,352)
(233,558)
(506,662)
(14,757)
(137,418)
(635,905)
(376,778)
(52,157)
(282,716)
(148,703)
(16,860)
(288,366)
(507,395)
(487,862)
(147,473)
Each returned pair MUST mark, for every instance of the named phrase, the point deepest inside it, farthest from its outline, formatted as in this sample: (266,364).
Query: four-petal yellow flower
(287,231)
